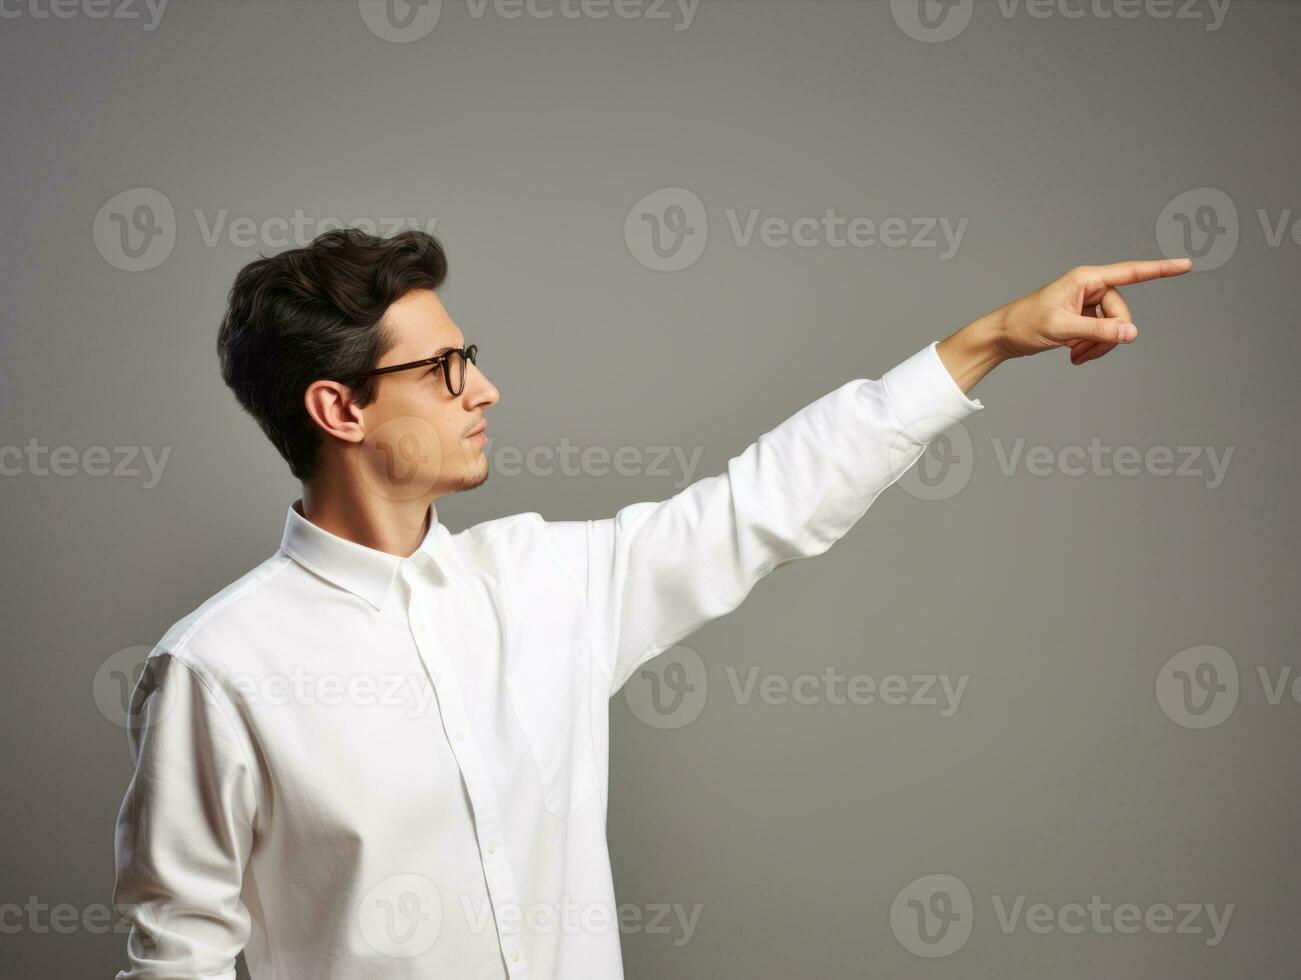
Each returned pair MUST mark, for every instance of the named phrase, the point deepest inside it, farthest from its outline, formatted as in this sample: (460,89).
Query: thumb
(1106,329)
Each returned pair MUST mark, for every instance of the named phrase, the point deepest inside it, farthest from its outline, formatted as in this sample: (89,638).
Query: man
(383,752)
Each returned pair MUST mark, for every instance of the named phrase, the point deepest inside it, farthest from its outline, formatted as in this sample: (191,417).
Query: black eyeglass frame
(470,354)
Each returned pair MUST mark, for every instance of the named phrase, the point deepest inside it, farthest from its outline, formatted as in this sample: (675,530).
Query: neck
(340,502)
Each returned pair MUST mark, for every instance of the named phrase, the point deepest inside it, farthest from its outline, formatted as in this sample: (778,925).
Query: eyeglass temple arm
(429,360)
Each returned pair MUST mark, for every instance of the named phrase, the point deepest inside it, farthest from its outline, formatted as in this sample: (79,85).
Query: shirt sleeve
(184,831)
(656,572)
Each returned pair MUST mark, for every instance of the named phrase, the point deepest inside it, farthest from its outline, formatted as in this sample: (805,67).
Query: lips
(476,430)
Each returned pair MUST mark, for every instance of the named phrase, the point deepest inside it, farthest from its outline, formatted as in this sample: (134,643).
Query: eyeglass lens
(456,367)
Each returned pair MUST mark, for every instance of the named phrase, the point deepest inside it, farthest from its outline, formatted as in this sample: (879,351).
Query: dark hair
(314,313)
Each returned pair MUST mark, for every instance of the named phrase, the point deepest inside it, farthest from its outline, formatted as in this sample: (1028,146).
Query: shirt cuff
(925,395)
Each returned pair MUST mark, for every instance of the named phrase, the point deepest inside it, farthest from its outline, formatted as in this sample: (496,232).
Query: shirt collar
(365,572)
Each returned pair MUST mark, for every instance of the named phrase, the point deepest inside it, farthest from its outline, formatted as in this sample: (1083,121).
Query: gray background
(530,140)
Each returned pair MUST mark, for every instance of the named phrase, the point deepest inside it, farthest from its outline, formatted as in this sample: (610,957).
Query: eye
(434,370)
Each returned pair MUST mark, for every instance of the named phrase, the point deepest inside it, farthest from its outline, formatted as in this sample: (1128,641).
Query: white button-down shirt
(351,764)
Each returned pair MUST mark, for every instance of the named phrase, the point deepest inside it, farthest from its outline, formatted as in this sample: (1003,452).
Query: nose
(479,391)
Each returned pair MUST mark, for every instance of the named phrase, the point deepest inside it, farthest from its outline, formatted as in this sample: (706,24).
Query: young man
(383,752)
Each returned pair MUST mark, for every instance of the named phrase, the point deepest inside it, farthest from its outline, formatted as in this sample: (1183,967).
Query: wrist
(975,350)
(989,335)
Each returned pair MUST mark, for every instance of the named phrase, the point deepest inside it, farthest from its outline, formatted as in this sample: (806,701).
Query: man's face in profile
(418,437)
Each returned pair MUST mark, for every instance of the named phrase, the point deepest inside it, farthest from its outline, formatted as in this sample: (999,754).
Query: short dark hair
(314,313)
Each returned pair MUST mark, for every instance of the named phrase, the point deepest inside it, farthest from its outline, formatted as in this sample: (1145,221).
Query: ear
(332,407)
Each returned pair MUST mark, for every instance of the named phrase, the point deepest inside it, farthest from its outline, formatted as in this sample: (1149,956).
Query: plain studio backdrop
(1053,665)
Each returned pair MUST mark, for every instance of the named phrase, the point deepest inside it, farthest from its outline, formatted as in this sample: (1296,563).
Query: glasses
(452,362)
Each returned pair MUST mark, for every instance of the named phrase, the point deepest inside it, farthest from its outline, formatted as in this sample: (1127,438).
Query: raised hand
(1083,310)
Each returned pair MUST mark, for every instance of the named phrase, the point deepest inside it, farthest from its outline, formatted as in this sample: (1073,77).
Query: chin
(473,476)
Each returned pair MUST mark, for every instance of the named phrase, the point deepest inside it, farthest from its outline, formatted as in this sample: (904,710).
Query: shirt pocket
(554,715)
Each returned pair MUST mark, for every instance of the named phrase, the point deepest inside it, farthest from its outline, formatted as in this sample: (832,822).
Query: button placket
(428,652)
(502,888)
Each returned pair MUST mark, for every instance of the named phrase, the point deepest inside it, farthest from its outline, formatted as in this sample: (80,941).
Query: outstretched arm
(656,572)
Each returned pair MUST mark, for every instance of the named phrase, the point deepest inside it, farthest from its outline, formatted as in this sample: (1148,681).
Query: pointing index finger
(1129,273)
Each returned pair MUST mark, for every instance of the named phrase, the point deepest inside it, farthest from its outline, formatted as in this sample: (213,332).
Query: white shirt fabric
(350,764)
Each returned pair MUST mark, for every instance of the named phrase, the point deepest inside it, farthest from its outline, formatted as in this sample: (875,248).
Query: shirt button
(460,736)
(492,847)
(420,627)
(514,957)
